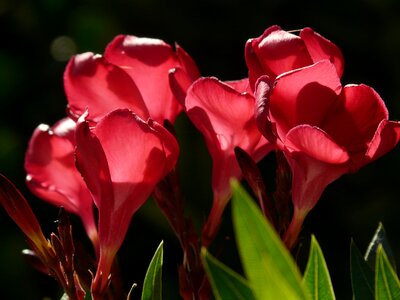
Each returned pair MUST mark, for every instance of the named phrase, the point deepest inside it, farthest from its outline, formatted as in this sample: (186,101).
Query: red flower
(132,74)
(52,175)
(277,51)
(325,130)
(121,160)
(224,113)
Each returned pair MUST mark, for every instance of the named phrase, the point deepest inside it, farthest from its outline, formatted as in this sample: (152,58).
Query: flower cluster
(116,145)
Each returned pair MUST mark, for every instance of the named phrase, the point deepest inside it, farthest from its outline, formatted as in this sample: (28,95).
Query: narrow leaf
(362,276)
(269,267)
(225,283)
(133,287)
(379,238)
(387,285)
(64,297)
(316,277)
(152,286)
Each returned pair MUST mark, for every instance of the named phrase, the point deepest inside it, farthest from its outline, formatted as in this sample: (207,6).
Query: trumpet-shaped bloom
(52,174)
(277,51)
(224,114)
(121,160)
(133,74)
(325,130)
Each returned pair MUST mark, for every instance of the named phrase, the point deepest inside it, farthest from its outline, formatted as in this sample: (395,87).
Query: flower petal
(187,63)
(320,48)
(256,69)
(281,51)
(225,117)
(92,164)
(231,113)
(241,86)
(354,118)
(315,143)
(179,83)
(92,83)
(51,171)
(135,154)
(50,167)
(310,177)
(316,160)
(385,139)
(148,61)
(170,146)
(180,78)
(303,96)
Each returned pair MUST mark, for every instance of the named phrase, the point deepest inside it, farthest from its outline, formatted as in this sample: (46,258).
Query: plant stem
(292,233)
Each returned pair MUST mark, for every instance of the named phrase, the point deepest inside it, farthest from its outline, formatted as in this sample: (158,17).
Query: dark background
(37,37)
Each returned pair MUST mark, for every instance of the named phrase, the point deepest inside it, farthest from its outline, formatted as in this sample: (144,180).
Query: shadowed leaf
(152,286)
(226,284)
(316,277)
(362,276)
(387,285)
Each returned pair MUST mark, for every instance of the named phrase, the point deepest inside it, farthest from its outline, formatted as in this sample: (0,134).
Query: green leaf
(64,297)
(379,238)
(152,286)
(225,283)
(88,296)
(387,285)
(316,277)
(362,276)
(269,267)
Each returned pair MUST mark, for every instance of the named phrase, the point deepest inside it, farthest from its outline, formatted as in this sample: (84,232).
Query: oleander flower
(277,51)
(121,160)
(224,113)
(324,129)
(52,174)
(133,74)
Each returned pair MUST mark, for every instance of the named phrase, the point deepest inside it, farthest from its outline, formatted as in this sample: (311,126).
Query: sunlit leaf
(362,276)
(225,283)
(316,277)
(269,267)
(64,297)
(152,286)
(387,285)
(379,238)
(88,296)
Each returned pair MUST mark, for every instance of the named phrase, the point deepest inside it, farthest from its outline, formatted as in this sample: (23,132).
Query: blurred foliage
(38,36)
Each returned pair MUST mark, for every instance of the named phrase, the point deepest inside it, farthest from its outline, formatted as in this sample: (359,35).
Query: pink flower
(325,130)
(224,114)
(133,74)
(52,175)
(277,51)
(121,160)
